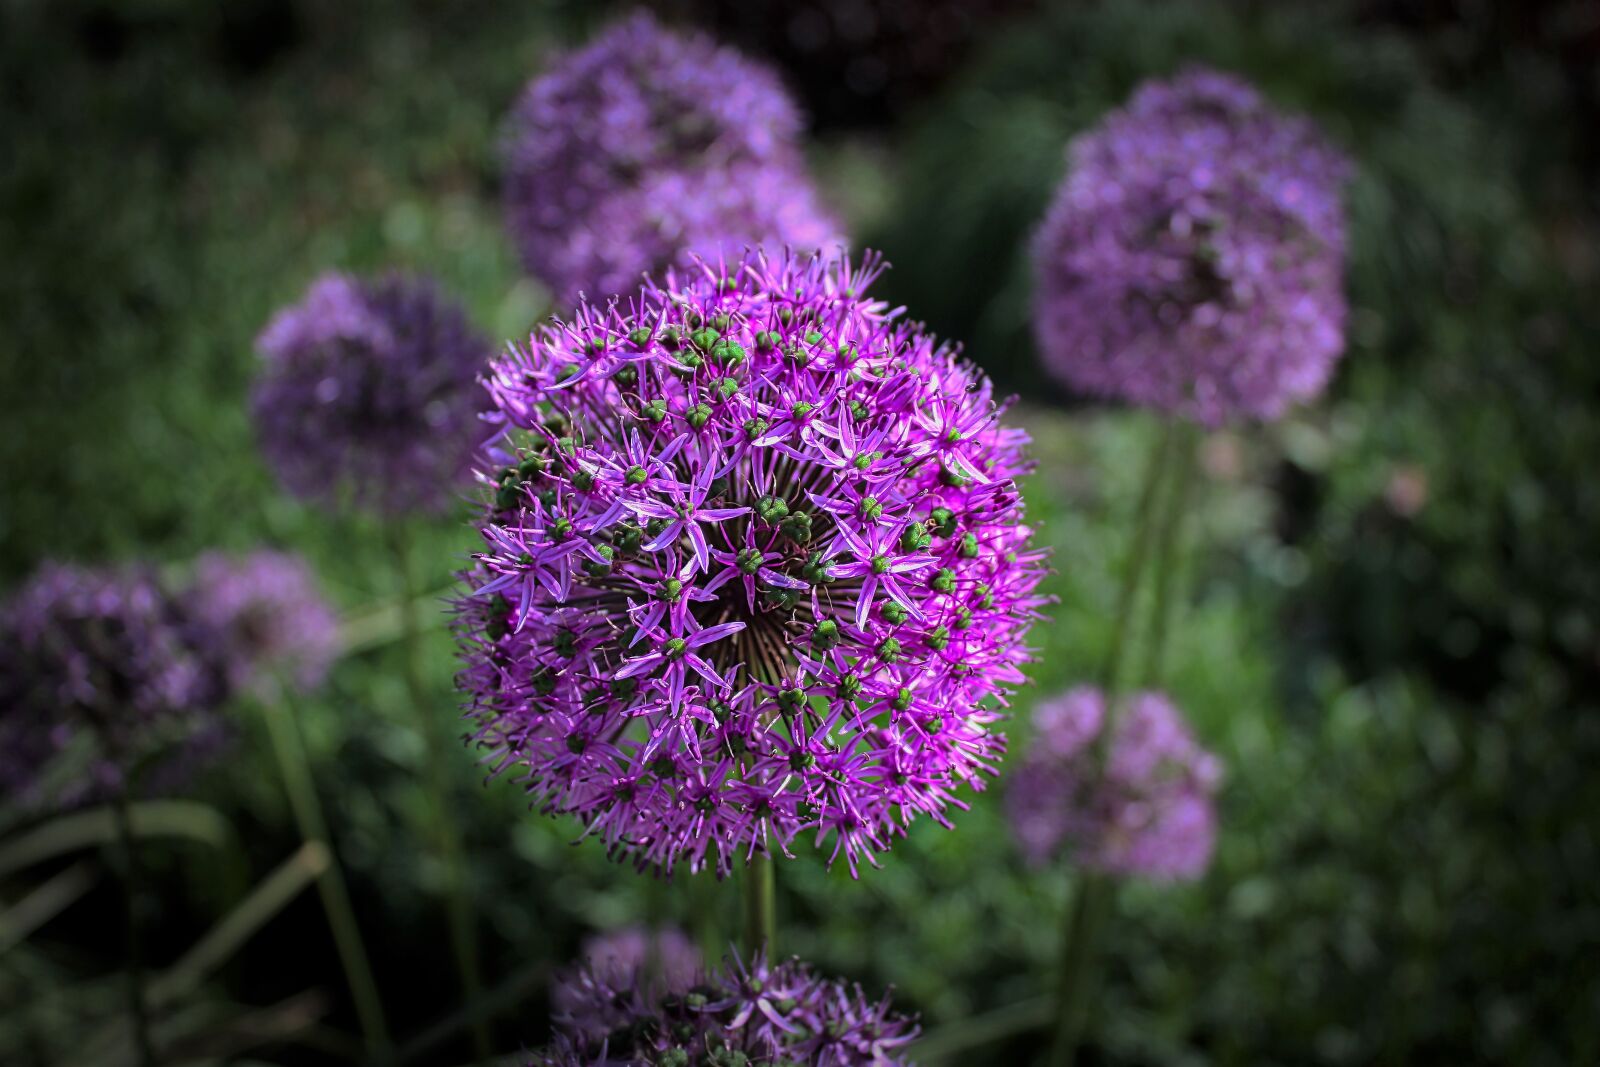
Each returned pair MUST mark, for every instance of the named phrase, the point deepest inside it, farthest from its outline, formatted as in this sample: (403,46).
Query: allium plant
(104,662)
(368,388)
(265,611)
(753,566)
(653,962)
(1193,258)
(646,147)
(1152,811)
(756,1013)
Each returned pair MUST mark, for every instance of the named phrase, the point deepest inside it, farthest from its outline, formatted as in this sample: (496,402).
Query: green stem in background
(1133,571)
(1094,892)
(705,905)
(458,907)
(760,908)
(1090,904)
(655,920)
(138,1008)
(287,742)
(1169,542)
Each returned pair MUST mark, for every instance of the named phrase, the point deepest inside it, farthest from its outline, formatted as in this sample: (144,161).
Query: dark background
(1393,638)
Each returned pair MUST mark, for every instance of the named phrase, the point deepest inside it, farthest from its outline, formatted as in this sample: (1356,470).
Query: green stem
(1089,907)
(138,1008)
(1094,891)
(1168,548)
(705,904)
(1133,571)
(655,920)
(458,907)
(760,908)
(289,745)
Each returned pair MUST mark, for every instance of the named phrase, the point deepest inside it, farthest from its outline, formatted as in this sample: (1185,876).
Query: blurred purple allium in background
(753,565)
(269,619)
(368,387)
(1151,814)
(764,1013)
(647,146)
(1193,259)
(654,962)
(105,663)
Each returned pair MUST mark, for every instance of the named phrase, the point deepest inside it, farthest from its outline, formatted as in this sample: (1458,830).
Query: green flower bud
(825,635)
(771,509)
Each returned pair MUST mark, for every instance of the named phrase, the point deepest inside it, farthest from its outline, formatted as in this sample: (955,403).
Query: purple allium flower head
(756,1013)
(655,962)
(753,565)
(107,663)
(1151,813)
(368,387)
(268,617)
(648,146)
(1193,258)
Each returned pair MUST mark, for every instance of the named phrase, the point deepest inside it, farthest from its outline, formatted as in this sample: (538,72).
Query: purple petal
(714,633)
(719,514)
(869,586)
(635,667)
(665,537)
(697,541)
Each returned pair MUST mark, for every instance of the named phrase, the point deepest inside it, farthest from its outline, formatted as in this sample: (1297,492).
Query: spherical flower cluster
(654,962)
(107,664)
(1193,259)
(1151,812)
(758,1013)
(265,612)
(368,388)
(647,146)
(753,565)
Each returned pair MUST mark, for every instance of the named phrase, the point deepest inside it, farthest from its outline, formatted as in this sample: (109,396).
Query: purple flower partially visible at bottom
(1152,812)
(108,664)
(662,961)
(268,617)
(765,1013)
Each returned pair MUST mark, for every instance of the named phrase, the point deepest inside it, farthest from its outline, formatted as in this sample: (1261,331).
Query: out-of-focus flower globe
(646,147)
(753,566)
(102,668)
(1151,812)
(654,962)
(755,1013)
(368,393)
(1193,259)
(268,616)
